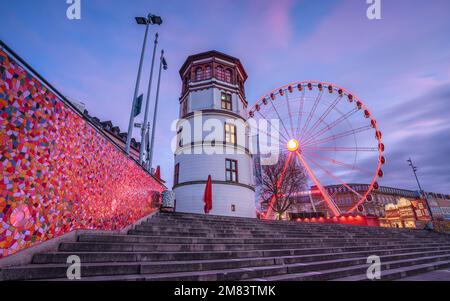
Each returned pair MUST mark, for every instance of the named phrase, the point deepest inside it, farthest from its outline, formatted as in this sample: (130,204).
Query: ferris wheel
(333,136)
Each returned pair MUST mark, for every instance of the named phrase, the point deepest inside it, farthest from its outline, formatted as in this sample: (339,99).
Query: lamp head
(155,19)
(141,20)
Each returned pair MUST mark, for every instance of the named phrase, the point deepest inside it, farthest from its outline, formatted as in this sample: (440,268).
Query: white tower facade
(212,137)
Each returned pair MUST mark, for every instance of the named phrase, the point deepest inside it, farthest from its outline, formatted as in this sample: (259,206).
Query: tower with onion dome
(212,138)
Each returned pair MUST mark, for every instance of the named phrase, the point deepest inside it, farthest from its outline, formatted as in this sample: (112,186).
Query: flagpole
(136,90)
(162,64)
(141,151)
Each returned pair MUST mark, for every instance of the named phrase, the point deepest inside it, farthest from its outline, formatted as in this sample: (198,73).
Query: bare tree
(277,188)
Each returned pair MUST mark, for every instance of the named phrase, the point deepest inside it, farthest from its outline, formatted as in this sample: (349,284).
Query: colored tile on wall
(59,173)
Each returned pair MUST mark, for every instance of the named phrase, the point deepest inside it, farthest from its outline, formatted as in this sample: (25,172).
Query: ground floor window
(231,170)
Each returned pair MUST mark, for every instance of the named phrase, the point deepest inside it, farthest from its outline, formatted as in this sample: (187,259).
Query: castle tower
(213,87)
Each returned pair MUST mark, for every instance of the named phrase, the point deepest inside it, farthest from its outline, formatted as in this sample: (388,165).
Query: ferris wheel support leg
(322,190)
(280,179)
(312,203)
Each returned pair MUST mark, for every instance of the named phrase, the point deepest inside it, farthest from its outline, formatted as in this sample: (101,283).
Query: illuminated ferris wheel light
(292,145)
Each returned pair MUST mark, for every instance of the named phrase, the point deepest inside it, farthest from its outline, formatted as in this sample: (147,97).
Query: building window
(198,74)
(184,108)
(207,72)
(226,101)
(231,170)
(220,75)
(233,208)
(228,76)
(230,134)
(176,174)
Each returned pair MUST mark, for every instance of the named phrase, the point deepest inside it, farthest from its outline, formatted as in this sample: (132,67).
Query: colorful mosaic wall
(58,172)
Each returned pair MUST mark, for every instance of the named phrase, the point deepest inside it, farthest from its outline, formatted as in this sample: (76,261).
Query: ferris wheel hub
(292,145)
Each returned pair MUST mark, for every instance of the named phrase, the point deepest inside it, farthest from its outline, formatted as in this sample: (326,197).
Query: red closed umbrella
(207,198)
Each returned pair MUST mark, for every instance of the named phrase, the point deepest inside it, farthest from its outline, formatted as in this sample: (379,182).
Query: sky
(399,65)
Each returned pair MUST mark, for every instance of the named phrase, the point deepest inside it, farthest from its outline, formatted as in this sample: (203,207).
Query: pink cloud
(266,29)
(336,36)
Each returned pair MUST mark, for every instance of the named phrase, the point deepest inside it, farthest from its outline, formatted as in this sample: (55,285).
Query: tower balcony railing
(203,77)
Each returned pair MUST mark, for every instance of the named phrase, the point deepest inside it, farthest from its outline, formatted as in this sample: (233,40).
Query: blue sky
(399,65)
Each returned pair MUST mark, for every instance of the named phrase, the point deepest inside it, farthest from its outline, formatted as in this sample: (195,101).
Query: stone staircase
(183,247)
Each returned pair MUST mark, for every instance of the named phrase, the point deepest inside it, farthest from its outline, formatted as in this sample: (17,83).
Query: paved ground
(439,275)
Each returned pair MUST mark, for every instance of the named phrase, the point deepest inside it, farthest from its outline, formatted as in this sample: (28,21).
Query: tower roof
(213,53)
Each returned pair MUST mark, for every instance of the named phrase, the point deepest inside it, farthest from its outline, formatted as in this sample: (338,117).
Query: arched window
(241,86)
(220,75)
(228,76)
(199,74)
(207,72)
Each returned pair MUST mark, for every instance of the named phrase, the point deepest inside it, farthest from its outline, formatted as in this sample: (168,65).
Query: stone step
(251,222)
(198,218)
(282,236)
(211,275)
(42,258)
(225,229)
(184,246)
(341,272)
(274,272)
(285,235)
(238,230)
(207,231)
(258,224)
(289,256)
(45,271)
(211,234)
(247,221)
(225,240)
(295,226)
(399,273)
(203,220)
(180,217)
(174,247)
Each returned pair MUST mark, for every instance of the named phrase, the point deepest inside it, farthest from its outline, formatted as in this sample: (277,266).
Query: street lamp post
(147,101)
(414,169)
(147,147)
(151,19)
(162,65)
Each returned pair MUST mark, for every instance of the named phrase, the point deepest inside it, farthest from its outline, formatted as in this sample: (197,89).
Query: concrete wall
(195,167)
(190,199)
(211,99)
